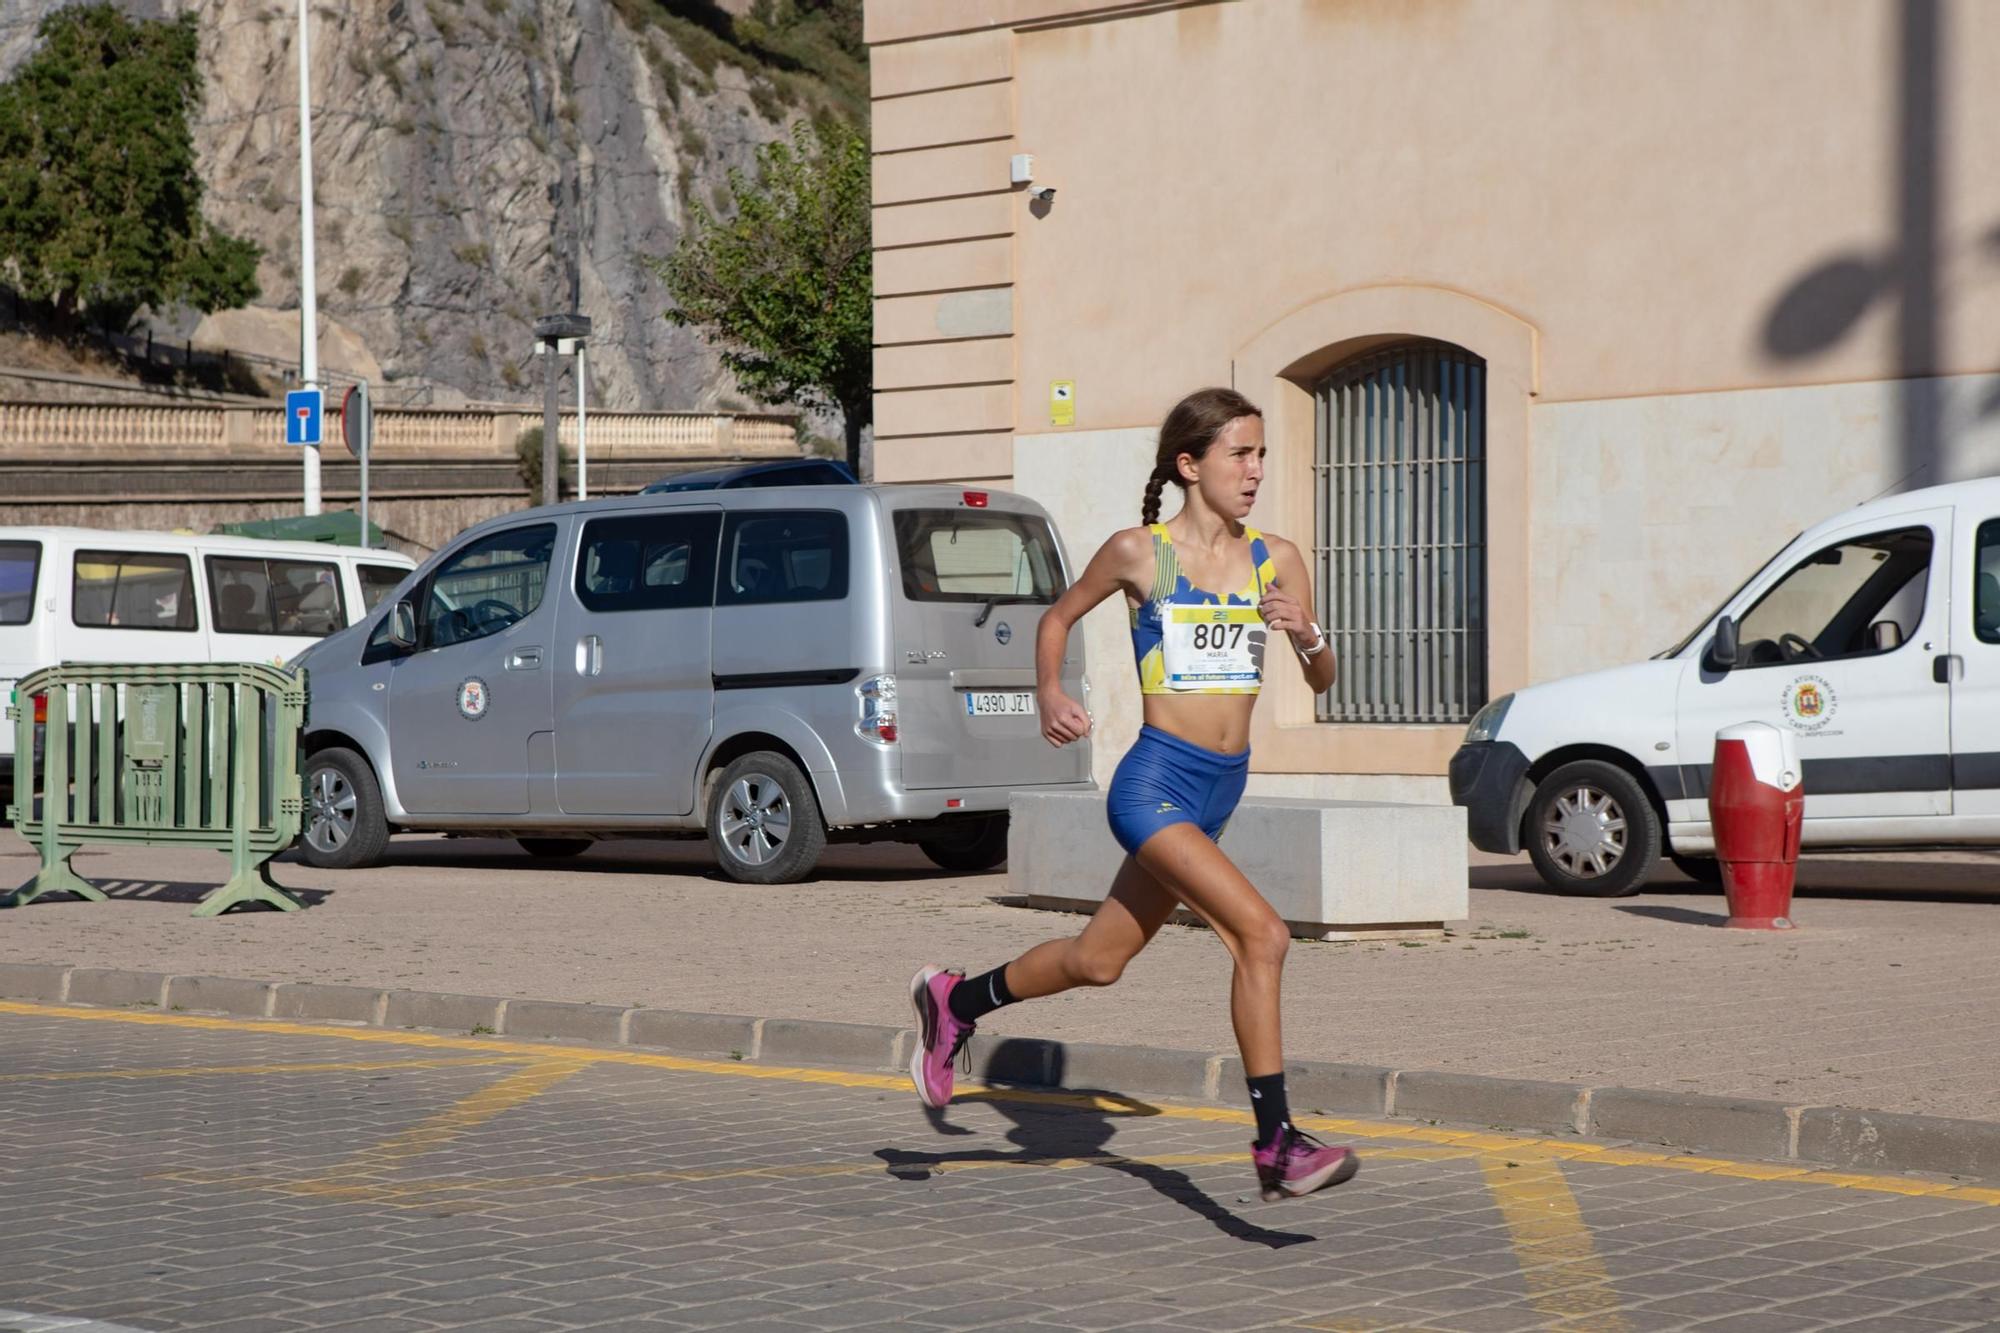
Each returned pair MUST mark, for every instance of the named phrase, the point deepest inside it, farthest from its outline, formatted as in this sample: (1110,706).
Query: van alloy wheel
(330,817)
(756,818)
(1584,832)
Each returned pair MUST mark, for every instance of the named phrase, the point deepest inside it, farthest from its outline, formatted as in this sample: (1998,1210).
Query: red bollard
(1756,804)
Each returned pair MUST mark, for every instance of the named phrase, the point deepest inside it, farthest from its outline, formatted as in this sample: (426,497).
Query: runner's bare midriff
(1219,722)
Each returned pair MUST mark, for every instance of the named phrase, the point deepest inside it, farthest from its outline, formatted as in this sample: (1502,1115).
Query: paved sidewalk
(168,1172)
(1875,1002)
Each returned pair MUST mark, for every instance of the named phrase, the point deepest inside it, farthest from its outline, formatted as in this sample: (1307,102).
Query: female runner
(1201,657)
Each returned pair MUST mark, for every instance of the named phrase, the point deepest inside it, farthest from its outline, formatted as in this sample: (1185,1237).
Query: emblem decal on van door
(1808,705)
(473,698)
(1003,632)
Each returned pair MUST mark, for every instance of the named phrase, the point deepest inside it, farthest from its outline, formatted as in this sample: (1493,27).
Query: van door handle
(1947,667)
(525,659)
(589,655)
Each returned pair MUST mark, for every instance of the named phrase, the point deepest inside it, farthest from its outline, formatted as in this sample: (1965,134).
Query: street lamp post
(552,331)
(308,294)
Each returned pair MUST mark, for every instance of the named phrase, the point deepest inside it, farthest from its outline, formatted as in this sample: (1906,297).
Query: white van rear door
(1838,647)
(1975,691)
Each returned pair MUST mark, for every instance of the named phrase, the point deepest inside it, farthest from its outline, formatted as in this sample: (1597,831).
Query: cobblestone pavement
(168,1171)
(1862,1006)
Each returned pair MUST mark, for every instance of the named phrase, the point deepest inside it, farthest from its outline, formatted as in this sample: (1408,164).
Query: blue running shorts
(1165,780)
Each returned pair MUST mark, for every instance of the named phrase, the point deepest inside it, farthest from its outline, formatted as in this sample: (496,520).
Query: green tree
(100,206)
(783,286)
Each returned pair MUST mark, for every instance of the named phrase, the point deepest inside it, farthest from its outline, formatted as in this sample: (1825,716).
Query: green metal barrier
(166,756)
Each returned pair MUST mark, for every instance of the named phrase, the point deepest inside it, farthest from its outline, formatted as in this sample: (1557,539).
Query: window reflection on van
(133,590)
(20,564)
(648,562)
(954,555)
(300,598)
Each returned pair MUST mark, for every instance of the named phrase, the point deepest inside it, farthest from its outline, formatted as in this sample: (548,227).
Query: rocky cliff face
(476,164)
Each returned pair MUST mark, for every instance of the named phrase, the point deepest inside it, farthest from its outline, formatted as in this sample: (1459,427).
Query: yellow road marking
(224,1071)
(1470,1143)
(1559,1262)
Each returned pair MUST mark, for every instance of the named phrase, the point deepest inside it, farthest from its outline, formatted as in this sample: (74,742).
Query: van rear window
(783,555)
(962,555)
(20,564)
(257,596)
(133,590)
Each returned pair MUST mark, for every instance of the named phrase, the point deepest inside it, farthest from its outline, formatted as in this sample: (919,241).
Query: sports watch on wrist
(1319,645)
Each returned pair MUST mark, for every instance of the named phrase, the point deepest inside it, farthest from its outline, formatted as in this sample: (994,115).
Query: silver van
(775,668)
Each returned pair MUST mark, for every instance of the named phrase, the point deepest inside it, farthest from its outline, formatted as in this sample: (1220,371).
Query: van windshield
(1709,619)
(973,556)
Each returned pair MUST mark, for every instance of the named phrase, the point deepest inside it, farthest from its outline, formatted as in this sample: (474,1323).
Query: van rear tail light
(41,709)
(876,697)
(975,499)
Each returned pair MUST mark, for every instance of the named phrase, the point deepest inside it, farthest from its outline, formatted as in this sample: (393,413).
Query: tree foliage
(783,287)
(100,204)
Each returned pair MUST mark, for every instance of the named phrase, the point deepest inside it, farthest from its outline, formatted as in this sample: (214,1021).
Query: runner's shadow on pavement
(1051,1132)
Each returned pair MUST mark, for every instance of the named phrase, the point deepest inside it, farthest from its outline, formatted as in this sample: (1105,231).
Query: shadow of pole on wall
(1823,306)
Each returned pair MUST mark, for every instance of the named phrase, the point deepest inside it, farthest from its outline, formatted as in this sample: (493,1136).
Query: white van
(1874,637)
(90,595)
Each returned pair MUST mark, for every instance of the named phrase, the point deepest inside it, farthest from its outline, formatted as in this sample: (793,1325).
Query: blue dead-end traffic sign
(302,416)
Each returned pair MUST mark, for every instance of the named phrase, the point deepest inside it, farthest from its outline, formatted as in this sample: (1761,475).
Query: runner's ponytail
(1149,509)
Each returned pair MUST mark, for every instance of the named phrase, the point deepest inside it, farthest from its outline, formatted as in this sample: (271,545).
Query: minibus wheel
(553,849)
(979,844)
(764,821)
(1592,831)
(343,827)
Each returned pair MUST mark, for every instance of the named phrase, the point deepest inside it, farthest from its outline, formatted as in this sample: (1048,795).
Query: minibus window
(1986,583)
(648,562)
(298,598)
(377,582)
(132,590)
(20,565)
(956,555)
(776,555)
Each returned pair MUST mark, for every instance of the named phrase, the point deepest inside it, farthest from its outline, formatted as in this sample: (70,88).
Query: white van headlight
(1486,722)
(877,698)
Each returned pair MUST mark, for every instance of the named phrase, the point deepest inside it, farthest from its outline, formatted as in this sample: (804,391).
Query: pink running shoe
(1297,1163)
(940,1037)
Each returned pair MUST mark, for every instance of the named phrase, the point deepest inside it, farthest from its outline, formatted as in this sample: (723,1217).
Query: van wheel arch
(748,742)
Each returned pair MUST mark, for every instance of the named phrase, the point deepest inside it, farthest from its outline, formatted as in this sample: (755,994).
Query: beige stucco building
(1716,268)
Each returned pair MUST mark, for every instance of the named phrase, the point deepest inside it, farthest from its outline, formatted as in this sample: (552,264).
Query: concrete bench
(1335,870)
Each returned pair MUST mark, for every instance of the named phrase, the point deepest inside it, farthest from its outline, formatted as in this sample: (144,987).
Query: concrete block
(800,1041)
(447,1013)
(222,995)
(1503,1103)
(110,985)
(1740,1126)
(314,1002)
(34,981)
(693,1034)
(1333,869)
(567,1022)
(1886,1141)
(1315,1086)
(1131,1069)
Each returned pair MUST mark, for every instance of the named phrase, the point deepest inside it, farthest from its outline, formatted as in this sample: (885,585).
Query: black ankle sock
(976,997)
(1267,1099)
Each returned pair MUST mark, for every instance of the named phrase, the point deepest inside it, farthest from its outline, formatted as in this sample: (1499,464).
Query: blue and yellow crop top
(1188,640)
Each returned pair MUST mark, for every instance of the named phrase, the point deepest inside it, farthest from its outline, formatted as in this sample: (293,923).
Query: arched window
(1400,546)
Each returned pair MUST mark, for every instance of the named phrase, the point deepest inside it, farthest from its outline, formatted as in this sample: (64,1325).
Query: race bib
(1203,647)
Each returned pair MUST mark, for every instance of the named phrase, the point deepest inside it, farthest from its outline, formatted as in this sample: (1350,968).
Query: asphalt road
(169,1171)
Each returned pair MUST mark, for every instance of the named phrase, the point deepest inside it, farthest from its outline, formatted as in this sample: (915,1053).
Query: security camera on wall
(1042,194)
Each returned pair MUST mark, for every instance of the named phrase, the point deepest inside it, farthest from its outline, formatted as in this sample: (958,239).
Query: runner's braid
(1149,511)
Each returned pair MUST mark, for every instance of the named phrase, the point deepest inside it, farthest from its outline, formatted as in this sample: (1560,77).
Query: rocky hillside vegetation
(482,162)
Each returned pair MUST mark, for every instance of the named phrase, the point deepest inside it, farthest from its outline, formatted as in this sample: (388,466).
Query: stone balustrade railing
(170,432)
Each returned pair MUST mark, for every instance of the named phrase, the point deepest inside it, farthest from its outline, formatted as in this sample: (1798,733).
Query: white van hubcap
(1584,832)
(756,818)
(332,822)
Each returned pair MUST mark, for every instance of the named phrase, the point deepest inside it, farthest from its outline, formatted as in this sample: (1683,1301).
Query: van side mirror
(1722,651)
(403,625)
